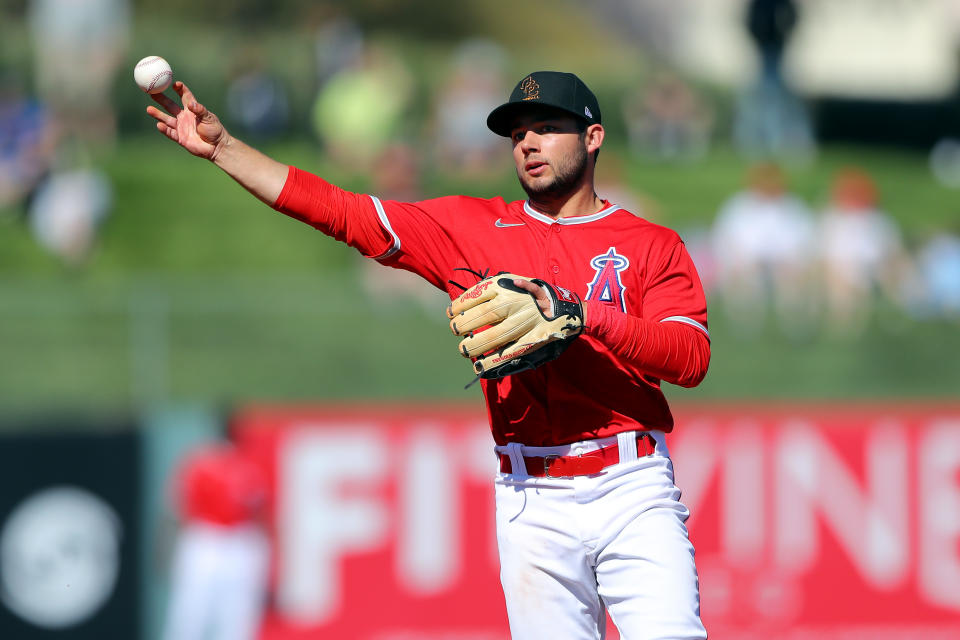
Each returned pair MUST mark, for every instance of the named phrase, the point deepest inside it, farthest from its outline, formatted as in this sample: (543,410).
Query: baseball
(153,74)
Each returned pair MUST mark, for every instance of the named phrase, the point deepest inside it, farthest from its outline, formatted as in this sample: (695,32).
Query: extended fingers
(170,132)
(162,117)
(168,105)
(186,96)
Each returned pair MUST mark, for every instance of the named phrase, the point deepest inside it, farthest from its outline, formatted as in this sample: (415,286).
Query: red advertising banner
(832,521)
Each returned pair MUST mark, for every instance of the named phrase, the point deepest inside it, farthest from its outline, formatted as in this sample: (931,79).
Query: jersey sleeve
(672,291)
(345,216)
(426,237)
(417,237)
(675,352)
(668,339)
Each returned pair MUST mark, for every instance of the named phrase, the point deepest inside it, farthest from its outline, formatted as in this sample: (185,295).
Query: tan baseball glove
(506,331)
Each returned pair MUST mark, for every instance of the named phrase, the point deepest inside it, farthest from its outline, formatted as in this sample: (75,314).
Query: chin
(543,191)
(537,186)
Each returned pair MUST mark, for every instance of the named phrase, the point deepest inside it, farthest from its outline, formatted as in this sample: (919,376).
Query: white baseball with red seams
(153,74)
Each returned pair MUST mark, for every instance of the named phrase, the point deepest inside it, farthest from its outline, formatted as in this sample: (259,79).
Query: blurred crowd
(767,255)
(57,129)
(773,259)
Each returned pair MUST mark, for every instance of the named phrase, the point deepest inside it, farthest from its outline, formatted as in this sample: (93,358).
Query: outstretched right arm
(200,132)
(346,216)
(360,221)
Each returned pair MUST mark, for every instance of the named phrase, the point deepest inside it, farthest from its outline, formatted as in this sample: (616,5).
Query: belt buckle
(546,466)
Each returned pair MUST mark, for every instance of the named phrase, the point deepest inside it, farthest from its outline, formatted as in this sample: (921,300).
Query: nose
(529,142)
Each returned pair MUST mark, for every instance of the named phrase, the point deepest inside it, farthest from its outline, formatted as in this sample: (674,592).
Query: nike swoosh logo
(503,225)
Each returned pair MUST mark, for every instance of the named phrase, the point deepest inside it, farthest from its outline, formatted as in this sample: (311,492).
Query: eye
(517,136)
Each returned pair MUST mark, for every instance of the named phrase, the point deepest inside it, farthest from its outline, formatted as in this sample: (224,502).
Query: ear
(593,138)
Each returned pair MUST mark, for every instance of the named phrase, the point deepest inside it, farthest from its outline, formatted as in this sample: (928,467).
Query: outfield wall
(826,521)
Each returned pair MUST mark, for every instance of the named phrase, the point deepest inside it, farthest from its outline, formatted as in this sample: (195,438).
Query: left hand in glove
(507,331)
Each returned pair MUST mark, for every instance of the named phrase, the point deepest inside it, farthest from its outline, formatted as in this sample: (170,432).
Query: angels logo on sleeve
(606,285)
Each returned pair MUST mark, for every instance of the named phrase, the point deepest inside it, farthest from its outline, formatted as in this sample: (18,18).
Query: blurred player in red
(588,517)
(219,573)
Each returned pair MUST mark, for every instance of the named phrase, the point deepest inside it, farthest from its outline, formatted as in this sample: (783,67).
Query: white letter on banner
(695,454)
(428,537)
(870,524)
(316,524)
(939,495)
(795,465)
(743,519)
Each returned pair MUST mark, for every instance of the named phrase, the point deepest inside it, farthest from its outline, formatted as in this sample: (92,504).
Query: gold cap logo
(530,88)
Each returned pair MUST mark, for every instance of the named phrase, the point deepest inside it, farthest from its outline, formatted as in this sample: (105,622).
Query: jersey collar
(533,213)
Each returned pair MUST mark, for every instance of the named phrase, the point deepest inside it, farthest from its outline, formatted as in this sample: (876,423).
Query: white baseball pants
(573,548)
(218,583)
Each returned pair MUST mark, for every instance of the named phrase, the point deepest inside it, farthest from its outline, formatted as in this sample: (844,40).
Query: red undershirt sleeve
(672,351)
(343,215)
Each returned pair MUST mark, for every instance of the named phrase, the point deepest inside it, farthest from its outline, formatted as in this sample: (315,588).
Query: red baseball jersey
(611,257)
(219,485)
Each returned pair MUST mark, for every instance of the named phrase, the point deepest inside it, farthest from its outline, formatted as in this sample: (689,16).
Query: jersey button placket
(554,267)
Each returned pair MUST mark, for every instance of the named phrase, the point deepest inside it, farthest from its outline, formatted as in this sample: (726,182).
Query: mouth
(535,167)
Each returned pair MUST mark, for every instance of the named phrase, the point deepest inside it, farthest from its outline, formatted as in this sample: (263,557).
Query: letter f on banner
(317,525)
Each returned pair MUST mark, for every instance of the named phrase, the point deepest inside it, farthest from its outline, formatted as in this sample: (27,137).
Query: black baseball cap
(563,91)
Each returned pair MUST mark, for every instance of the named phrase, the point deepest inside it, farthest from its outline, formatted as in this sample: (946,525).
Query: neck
(582,201)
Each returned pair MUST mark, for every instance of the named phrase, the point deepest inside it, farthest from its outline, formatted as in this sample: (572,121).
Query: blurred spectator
(362,108)
(338,42)
(862,252)
(938,264)
(474,86)
(256,99)
(945,162)
(770,119)
(78,47)
(67,210)
(219,573)
(763,246)
(698,238)
(27,142)
(667,119)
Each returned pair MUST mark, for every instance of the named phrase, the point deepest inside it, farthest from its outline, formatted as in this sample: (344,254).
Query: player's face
(549,153)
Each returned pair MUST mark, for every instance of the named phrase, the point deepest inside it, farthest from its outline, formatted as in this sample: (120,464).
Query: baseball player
(588,517)
(219,569)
